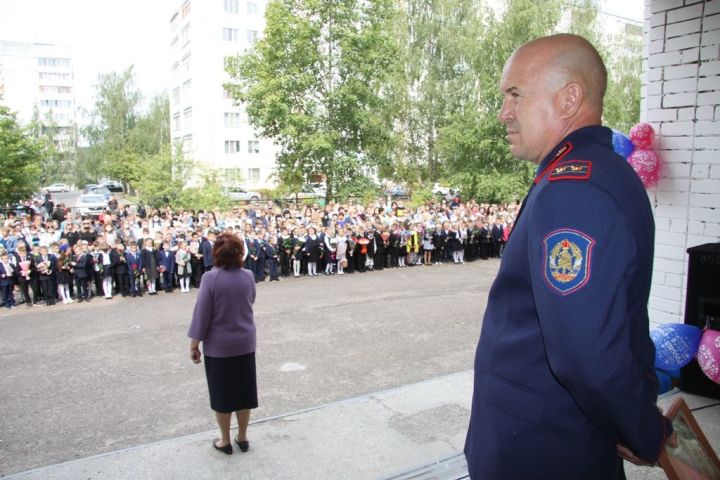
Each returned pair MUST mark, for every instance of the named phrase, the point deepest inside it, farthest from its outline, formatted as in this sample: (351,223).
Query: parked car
(101,191)
(88,188)
(307,192)
(91,204)
(438,189)
(57,187)
(17,208)
(398,191)
(112,185)
(239,194)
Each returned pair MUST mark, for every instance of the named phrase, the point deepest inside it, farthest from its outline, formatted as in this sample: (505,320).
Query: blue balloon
(622,144)
(676,344)
(664,381)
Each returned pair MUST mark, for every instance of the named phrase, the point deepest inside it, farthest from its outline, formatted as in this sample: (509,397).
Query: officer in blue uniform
(564,381)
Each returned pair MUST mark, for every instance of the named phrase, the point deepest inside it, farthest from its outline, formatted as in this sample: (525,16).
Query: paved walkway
(415,431)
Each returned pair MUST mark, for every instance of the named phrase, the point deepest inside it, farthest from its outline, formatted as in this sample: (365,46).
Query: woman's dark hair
(228,251)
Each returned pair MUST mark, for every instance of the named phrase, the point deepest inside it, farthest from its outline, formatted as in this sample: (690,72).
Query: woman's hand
(195,355)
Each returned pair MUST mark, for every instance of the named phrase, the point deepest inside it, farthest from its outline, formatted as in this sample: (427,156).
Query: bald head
(552,86)
(569,58)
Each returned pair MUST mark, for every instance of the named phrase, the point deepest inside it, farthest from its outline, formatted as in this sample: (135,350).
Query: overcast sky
(107,35)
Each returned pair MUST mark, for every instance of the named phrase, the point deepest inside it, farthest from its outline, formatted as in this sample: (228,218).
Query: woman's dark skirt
(231,382)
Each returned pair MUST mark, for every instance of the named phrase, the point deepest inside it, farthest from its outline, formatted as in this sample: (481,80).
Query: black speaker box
(702,309)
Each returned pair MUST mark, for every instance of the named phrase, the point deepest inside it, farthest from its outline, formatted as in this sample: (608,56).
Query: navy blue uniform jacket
(564,365)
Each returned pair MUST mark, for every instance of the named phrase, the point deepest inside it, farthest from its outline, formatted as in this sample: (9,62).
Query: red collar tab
(561,153)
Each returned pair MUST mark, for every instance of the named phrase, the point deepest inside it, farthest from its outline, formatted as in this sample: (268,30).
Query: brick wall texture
(681,100)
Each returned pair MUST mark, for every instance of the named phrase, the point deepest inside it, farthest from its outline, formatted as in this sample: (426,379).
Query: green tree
(622,98)
(208,194)
(473,141)
(432,81)
(622,54)
(314,84)
(163,176)
(110,151)
(151,132)
(58,148)
(20,159)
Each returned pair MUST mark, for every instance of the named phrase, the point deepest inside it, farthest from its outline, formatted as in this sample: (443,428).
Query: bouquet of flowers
(44,267)
(25,269)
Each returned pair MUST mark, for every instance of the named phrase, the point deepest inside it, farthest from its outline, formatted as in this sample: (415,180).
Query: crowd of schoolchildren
(50,256)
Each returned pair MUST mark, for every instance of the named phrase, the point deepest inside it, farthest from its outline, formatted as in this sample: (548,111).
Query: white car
(239,194)
(91,204)
(307,192)
(438,189)
(57,187)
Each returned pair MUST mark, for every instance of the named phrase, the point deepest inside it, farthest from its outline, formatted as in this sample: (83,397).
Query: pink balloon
(641,135)
(646,164)
(708,356)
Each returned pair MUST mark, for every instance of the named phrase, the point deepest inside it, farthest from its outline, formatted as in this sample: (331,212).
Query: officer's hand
(629,455)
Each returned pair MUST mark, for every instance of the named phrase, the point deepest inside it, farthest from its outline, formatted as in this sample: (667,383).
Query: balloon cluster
(636,148)
(677,344)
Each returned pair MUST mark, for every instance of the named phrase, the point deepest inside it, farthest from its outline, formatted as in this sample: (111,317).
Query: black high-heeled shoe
(244,445)
(227,449)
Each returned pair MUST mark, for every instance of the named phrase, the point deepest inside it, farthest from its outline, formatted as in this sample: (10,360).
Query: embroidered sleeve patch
(571,170)
(566,257)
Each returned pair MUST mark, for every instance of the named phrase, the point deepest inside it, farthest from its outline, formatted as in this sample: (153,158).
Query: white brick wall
(681,99)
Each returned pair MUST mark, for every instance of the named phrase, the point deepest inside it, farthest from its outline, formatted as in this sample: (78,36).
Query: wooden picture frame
(694,458)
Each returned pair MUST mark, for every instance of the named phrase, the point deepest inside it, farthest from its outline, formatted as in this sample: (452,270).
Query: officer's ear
(571,97)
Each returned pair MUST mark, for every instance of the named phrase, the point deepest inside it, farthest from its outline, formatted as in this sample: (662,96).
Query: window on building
(187,117)
(232,146)
(185,63)
(232,6)
(226,93)
(253,146)
(54,103)
(253,175)
(252,8)
(176,95)
(56,76)
(173,42)
(185,35)
(232,119)
(233,177)
(185,9)
(230,34)
(175,68)
(54,62)
(176,121)
(252,36)
(174,22)
(186,89)
(187,143)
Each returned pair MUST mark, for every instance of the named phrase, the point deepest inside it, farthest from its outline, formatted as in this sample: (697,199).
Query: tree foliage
(110,152)
(20,159)
(433,108)
(314,84)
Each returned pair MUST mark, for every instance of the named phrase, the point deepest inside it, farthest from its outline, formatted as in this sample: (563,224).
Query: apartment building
(208,124)
(37,81)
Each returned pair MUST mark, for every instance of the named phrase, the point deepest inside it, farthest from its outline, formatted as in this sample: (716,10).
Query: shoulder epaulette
(571,170)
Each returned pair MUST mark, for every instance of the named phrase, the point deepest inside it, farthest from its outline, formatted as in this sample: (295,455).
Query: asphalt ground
(84,379)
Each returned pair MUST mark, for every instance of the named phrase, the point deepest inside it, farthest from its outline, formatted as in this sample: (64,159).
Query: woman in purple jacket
(223,322)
